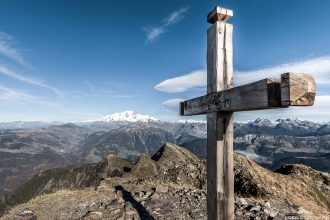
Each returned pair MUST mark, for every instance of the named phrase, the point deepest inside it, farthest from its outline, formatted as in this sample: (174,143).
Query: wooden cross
(222,100)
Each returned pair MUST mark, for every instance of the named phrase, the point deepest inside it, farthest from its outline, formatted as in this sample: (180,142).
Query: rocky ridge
(171,185)
(26,152)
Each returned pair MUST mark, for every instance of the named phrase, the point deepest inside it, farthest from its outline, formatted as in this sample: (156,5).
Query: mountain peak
(128,116)
(171,155)
(262,121)
(190,121)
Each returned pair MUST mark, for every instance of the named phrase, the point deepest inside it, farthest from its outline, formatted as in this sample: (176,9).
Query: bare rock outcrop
(171,185)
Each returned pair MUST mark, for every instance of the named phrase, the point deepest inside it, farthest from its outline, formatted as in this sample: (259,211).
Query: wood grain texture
(262,94)
(220,171)
(294,89)
(228,126)
(222,100)
(297,89)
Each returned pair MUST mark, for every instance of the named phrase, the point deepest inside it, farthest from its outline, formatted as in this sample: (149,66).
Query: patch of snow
(190,121)
(129,116)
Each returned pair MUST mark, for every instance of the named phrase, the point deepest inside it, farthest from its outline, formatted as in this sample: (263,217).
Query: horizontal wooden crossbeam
(293,89)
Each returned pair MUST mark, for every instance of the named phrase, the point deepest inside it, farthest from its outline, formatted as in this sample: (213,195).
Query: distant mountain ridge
(25,152)
(129,116)
(107,121)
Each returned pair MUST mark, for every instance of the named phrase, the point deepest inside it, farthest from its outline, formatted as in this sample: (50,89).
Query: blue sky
(80,60)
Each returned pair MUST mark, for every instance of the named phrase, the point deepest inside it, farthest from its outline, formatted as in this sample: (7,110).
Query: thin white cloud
(172,104)
(175,16)
(153,32)
(14,96)
(10,95)
(318,67)
(8,50)
(195,79)
(35,82)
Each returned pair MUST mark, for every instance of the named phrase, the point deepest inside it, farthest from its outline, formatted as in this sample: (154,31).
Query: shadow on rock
(127,196)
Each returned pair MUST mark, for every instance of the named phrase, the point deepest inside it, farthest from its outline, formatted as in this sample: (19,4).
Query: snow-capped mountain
(129,116)
(190,121)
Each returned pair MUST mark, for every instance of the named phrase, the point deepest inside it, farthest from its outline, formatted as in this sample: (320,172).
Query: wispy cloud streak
(9,94)
(8,50)
(15,96)
(35,82)
(175,16)
(195,79)
(153,32)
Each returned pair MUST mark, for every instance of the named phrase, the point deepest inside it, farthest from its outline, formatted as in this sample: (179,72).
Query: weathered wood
(293,90)
(228,125)
(220,176)
(253,96)
(222,100)
(297,89)
(219,14)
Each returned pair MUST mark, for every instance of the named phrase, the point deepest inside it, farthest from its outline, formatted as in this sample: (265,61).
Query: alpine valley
(28,148)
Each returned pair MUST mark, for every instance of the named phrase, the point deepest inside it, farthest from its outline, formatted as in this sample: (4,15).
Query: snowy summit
(190,121)
(128,116)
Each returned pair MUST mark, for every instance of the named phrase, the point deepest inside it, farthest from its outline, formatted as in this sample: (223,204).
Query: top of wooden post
(219,14)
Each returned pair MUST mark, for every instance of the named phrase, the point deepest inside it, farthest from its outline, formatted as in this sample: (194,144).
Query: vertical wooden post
(294,89)
(220,169)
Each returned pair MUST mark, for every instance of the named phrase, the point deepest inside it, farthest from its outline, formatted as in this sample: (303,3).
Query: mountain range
(27,148)
(168,185)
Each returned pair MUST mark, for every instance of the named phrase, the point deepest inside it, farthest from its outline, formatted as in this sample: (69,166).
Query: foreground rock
(27,148)
(171,185)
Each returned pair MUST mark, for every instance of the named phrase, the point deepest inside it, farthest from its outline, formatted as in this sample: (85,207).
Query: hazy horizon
(189,118)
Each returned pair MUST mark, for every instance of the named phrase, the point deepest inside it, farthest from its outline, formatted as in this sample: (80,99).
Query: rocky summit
(169,185)
(26,150)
